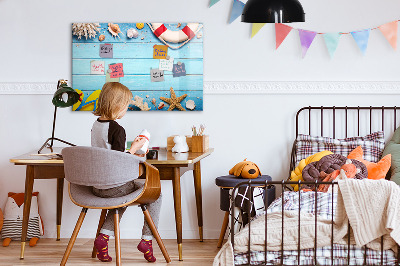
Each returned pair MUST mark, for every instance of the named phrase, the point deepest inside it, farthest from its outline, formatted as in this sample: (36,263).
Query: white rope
(174,47)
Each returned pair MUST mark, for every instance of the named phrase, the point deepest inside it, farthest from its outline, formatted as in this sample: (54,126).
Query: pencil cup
(200,143)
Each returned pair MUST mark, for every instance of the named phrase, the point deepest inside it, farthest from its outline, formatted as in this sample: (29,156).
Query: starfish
(174,102)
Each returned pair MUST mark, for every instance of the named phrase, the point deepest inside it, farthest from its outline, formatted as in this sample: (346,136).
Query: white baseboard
(247,87)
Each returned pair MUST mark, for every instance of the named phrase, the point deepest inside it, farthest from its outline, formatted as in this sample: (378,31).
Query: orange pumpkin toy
(245,169)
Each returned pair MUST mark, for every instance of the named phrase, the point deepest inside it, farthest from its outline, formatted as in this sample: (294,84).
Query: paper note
(160,51)
(106,50)
(96,67)
(109,79)
(166,64)
(179,70)
(156,75)
(117,70)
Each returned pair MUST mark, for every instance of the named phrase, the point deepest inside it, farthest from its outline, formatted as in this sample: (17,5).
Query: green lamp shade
(65,96)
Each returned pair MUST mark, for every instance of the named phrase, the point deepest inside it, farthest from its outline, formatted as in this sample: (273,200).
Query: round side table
(226,183)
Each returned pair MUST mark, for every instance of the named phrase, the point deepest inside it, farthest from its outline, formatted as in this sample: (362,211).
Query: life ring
(187,33)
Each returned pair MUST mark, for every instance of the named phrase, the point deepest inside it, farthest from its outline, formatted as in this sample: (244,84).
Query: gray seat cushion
(83,196)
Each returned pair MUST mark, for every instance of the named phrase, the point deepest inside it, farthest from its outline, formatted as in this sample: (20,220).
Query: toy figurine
(245,169)
(180,144)
(13,215)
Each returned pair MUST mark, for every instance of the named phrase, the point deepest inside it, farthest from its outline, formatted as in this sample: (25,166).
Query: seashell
(139,26)
(132,33)
(154,102)
(114,29)
(102,37)
(190,105)
(161,105)
(142,38)
(179,24)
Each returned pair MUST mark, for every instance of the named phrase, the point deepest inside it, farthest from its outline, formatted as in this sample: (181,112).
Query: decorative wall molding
(27,88)
(251,87)
(302,87)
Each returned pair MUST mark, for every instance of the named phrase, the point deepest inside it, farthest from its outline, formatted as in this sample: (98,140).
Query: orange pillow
(375,170)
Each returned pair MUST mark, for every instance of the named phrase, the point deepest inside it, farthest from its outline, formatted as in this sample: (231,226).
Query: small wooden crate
(200,143)
(171,143)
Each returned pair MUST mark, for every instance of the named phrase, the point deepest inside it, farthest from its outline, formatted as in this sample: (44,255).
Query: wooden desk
(169,165)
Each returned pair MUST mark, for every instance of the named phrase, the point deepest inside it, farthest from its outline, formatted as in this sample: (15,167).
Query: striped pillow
(372,145)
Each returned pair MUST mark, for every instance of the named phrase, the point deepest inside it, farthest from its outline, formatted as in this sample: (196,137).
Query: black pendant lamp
(273,11)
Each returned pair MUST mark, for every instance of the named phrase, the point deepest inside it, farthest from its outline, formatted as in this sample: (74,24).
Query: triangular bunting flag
(255,28)
(332,41)
(237,8)
(389,30)
(281,31)
(213,2)
(361,37)
(306,39)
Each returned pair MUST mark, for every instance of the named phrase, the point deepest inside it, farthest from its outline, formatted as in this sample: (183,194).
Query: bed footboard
(383,258)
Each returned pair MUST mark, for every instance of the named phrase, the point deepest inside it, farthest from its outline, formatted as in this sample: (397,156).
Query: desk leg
(176,182)
(199,204)
(27,206)
(60,190)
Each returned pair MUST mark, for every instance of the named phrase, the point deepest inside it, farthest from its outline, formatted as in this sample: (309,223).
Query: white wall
(36,47)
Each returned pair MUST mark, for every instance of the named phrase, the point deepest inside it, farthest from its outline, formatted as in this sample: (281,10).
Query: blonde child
(113,103)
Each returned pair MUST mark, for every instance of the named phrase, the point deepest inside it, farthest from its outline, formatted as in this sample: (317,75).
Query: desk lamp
(273,11)
(63,97)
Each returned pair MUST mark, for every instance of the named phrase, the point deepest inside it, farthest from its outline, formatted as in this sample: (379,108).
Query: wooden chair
(85,167)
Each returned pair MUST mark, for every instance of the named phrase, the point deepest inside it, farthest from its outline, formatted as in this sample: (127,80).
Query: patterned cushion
(372,144)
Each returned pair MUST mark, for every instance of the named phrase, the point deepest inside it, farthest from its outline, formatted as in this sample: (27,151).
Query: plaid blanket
(340,253)
(323,205)
(306,201)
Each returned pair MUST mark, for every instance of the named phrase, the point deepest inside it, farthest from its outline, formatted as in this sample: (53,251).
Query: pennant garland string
(361,37)
(389,30)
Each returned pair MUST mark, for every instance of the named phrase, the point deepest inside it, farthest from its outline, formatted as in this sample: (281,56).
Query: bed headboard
(344,121)
(345,117)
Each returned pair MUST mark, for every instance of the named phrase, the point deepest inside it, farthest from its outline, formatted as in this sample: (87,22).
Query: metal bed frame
(283,184)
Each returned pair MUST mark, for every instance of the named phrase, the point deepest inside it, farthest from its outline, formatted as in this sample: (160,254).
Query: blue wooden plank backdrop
(136,55)
(141,82)
(135,50)
(137,66)
(196,96)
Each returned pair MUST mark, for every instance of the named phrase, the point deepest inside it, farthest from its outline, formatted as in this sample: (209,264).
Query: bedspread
(371,215)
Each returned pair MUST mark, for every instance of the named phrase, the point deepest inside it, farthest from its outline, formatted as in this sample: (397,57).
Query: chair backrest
(91,166)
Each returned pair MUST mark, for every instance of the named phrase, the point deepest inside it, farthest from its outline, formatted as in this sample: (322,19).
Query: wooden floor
(50,252)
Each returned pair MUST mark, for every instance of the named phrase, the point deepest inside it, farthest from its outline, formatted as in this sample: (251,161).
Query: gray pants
(154,208)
